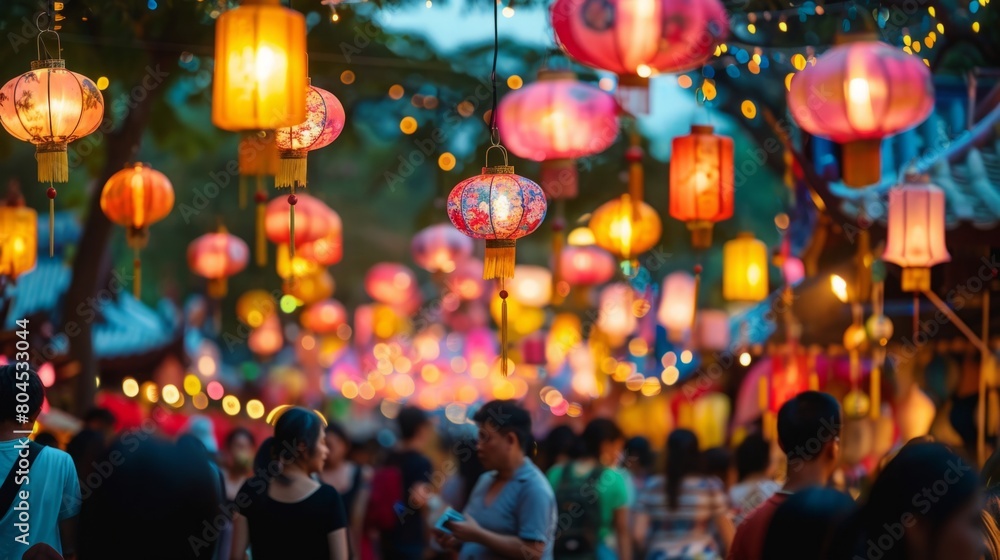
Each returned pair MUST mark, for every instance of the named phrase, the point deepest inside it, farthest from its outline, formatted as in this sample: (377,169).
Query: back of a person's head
(410,420)
(239,432)
(507,416)
(158,497)
(99,417)
(807,524)
(296,431)
(263,462)
(683,459)
(638,452)
(598,432)
(807,423)
(716,461)
(753,455)
(561,440)
(14,381)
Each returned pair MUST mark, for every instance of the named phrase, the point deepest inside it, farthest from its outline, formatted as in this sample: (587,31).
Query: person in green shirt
(593,483)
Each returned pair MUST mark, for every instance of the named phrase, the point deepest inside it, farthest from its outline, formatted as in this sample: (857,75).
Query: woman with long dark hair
(677,512)
(296,516)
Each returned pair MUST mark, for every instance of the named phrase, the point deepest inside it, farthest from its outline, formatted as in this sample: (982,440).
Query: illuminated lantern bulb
(916,235)
(439,248)
(266,340)
(702,190)
(744,269)
(324,317)
(615,316)
(584,369)
(19,224)
(217,256)
(253,307)
(531,285)
(391,284)
(587,265)
(327,250)
(677,304)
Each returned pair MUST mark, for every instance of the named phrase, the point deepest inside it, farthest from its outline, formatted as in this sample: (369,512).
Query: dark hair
(897,496)
(237,432)
(991,524)
(716,462)
(805,525)
(507,417)
(47,439)
(561,440)
(469,467)
(639,448)
(336,429)
(262,460)
(101,415)
(682,460)
(752,456)
(807,418)
(598,432)
(410,420)
(296,426)
(991,470)
(14,381)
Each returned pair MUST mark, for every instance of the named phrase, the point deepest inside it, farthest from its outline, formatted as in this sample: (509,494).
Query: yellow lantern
(531,285)
(565,333)
(260,67)
(744,269)
(626,227)
(255,306)
(312,287)
(18,237)
(525,319)
(293,267)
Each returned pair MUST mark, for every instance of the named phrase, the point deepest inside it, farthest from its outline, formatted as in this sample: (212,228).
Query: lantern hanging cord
(494,132)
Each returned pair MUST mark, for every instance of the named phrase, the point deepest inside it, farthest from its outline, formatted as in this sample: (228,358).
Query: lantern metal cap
(499,170)
(745,235)
(260,3)
(914,176)
(48,63)
(547,74)
(702,129)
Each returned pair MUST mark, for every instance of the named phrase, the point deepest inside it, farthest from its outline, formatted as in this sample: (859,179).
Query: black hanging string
(493,76)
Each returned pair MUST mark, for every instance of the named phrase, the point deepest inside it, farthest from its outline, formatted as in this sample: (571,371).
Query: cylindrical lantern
(915,237)
(555,121)
(587,265)
(18,243)
(439,248)
(253,307)
(626,228)
(744,269)
(531,285)
(217,256)
(711,330)
(677,304)
(858,93)
(701,182)
(633,38)
(260,67)
(616,315)
(136,197)
(323,123)
(324,317)
(310,288)
(391,284)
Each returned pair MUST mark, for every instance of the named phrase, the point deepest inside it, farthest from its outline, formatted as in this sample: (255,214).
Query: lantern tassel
(292,199)
(52,222)
(993,413)
(875,392)
(137,275)
(261,213)
(217,288)
(53,165)
(243,192)
(292,169)
(503,329)
(498,261)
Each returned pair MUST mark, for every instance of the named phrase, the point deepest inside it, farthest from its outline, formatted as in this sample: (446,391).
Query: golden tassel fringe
(875,396)
(291,171)
(53,167)
(217,288)
(498,261)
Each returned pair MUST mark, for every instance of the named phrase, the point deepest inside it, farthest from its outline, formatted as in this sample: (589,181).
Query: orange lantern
(858,93)
(391,284)
(135,198)
(267,340)
(313,221)
(311,288)
(701,182)
(744,269)
(329,249)
(289,267)
(324,317)
(18,236)
(626,228)
(217,256)
(255,306)
(260,67)
(915,237)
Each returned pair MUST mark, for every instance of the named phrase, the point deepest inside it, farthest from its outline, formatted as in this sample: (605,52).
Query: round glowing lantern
(323,123)
(267,339)
(324,317)
(744,269)
(531,285)
(701,182)
(136,197)
(310,288)
(633,38)
(615,313)
(19,224)
(313,220)
(626,228)
(586,265)
(391,284)
(329,249)
(289,267)
(467,280)
(260,67)
(565,333)
(439,248)
(255,306)
(217,256)
(858,93)
(915,237)
(677,304)
(555,121)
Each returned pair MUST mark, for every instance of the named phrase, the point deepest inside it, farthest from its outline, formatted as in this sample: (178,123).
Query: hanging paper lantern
(677,304)
(588,265)
(565,333)
(135,198)
(19,224)
(310,288)
(857,94)
(439,248)
(626,228)
(915,238)
(701,182)
(391,283)
(329,249)
(260,67)
(634,39)
(322,125)
(744,269)
(258,158)
(254,307)
(217,256)
(467,280)
(324,317)
(615,315)
(289,267)
(555,121)
(711,330)
(313,220)
(266,340)
(532,285)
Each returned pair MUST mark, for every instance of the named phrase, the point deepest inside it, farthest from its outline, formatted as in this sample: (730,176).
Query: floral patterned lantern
(137,197)
(626,228)
(532,285)
(915,237)
(323,124)
(19,227)
(555,121)
(858,93)
(324,317)
(744,269)
(260,67)
(439,248)
(391,284)
(701,182)
(634,38)
(217,256)
(677,306)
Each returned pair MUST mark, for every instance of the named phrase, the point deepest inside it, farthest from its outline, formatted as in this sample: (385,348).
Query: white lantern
(915,239)
(615,315)
(677,304)
(531,285)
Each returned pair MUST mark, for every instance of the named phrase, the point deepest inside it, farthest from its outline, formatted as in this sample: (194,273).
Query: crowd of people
(309,492)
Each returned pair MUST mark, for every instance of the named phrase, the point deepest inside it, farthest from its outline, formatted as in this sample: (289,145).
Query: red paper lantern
(217,256)
(391,284)
(858,93)
(634,38)
(439,248)
(701,182)
(324,122)
(313,220)
(329,249)
(588,265)
(324,317)
(555,121)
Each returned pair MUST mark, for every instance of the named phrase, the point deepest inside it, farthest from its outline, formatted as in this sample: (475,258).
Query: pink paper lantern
(615,315)
(217,256)
(915,237)
(711,330)
(439,248)
(324,122)
(467,280)
(587,265)
(324,317)
(677,304)
(314,220)
(391,284)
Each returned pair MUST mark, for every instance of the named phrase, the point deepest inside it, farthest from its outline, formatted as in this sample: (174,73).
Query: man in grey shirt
(511,512)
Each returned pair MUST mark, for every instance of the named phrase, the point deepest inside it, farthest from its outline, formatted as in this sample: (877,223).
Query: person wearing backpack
(49,482)
(592,496)
(399,491)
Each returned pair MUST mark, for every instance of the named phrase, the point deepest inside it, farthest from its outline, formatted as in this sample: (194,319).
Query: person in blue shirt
(511,512)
